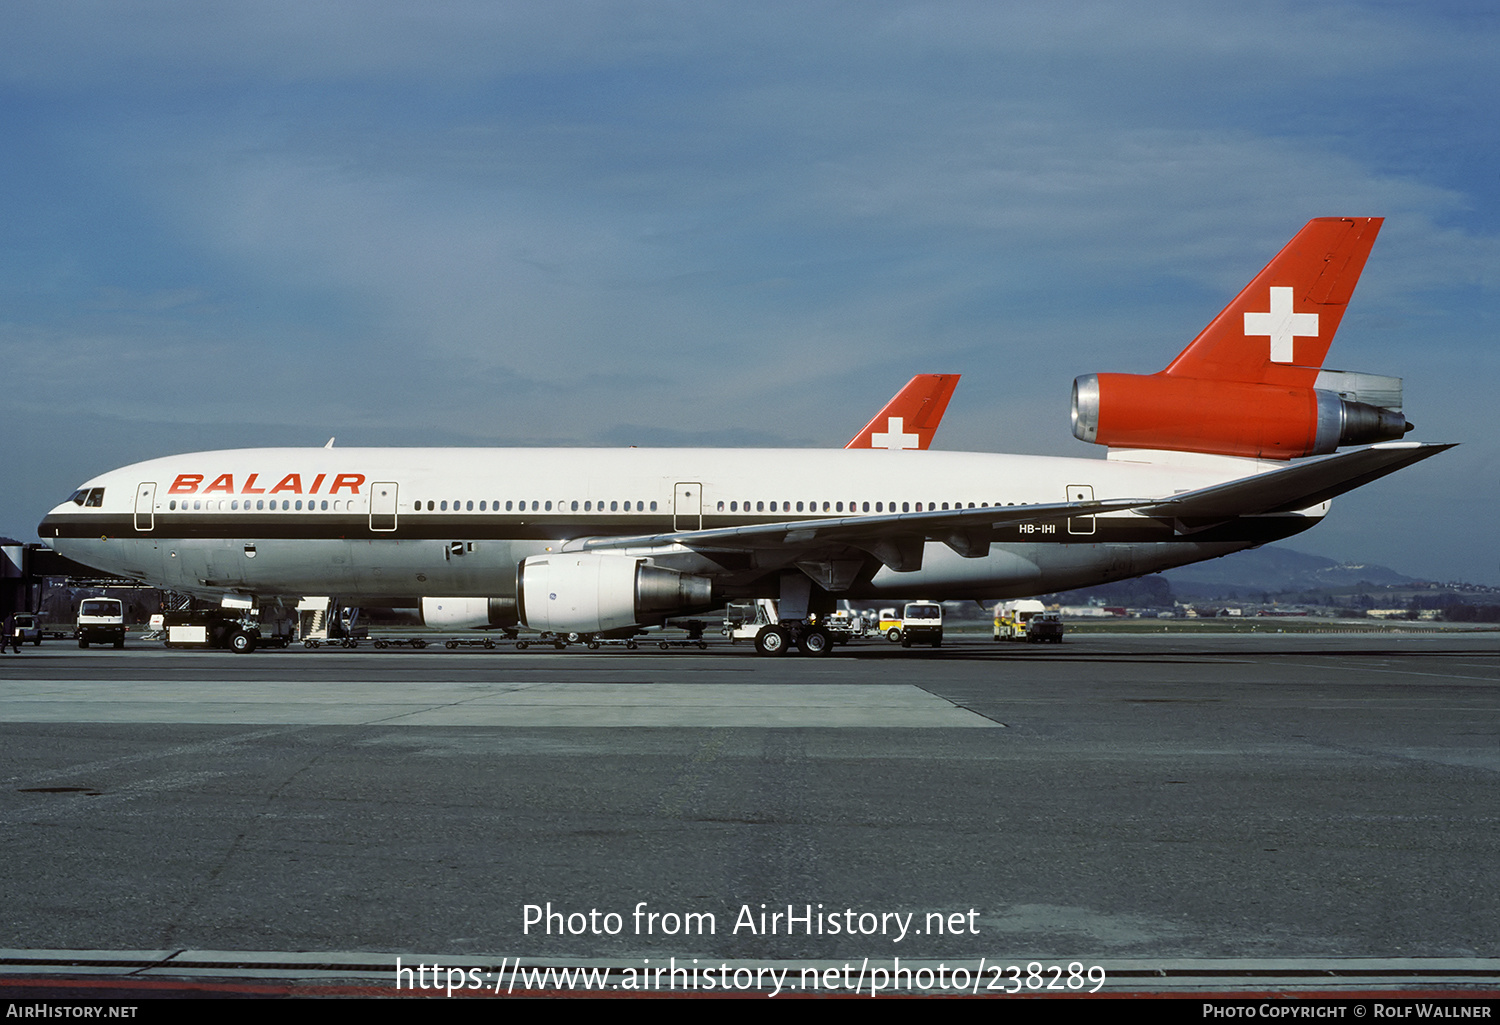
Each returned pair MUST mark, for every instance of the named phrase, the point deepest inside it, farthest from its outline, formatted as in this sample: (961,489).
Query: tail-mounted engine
(593,593)
(1237,418)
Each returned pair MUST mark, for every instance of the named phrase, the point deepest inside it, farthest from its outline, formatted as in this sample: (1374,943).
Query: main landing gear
(779,638)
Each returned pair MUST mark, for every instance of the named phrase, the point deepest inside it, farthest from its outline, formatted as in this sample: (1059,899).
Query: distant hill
(1273,569)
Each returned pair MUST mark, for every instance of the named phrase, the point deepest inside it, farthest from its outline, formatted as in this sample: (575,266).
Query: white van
(922,623)
(101,619)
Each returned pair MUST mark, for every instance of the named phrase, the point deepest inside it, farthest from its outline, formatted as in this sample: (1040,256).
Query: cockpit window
(78,496)
(95,498)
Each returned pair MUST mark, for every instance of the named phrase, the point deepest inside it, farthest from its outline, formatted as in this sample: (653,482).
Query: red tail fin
(1248,384)
(1277,331)
(911,418)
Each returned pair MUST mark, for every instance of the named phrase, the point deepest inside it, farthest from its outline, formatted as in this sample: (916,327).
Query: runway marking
(209,747)
(439,703)
(1492,678)
(132,974)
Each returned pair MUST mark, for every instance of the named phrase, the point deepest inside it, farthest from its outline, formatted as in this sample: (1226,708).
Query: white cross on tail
(894,438)
(1281,324)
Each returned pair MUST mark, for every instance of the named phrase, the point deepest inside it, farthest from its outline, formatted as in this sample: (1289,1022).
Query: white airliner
(1206,458)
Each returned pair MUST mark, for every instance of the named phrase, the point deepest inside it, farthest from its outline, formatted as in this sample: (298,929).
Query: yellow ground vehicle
(1011,618)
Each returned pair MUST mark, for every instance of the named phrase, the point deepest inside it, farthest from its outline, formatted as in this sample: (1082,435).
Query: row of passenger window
(260,505)
(839,507)
(591,506)
(342,505)
(536,506)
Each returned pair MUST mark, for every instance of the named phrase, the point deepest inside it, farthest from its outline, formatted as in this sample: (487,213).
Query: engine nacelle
(469,613)
(594,593)
(1231,418)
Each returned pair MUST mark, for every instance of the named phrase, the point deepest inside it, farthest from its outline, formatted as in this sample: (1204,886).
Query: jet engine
(593,593)
(1237,418)
(469,613)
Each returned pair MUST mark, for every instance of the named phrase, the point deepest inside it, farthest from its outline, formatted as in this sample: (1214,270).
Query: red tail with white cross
(1249,384)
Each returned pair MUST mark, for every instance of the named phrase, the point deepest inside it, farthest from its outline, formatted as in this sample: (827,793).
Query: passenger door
(1080,524)
(383,506)
(687,506)
(145,506)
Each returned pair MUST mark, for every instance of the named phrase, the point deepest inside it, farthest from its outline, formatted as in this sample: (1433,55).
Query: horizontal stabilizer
(1299,486)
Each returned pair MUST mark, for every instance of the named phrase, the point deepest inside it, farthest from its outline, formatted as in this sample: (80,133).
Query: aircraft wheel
(451,645)
(815,642)
(663,645)
(521,645)
(241,643)
(631,644)
(772,640)
(593,645)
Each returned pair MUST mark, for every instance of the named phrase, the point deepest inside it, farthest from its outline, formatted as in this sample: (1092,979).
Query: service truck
(100,620)
(743,620)
(232,629)
(922,623)
(1045,628)
(1011,618)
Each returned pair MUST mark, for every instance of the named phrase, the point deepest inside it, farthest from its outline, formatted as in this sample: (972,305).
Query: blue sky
(698,223)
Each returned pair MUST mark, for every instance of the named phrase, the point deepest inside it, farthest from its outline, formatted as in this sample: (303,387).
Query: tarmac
(1209,814)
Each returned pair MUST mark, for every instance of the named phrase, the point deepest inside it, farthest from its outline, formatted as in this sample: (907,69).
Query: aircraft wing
(1298,486)
(896,539)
